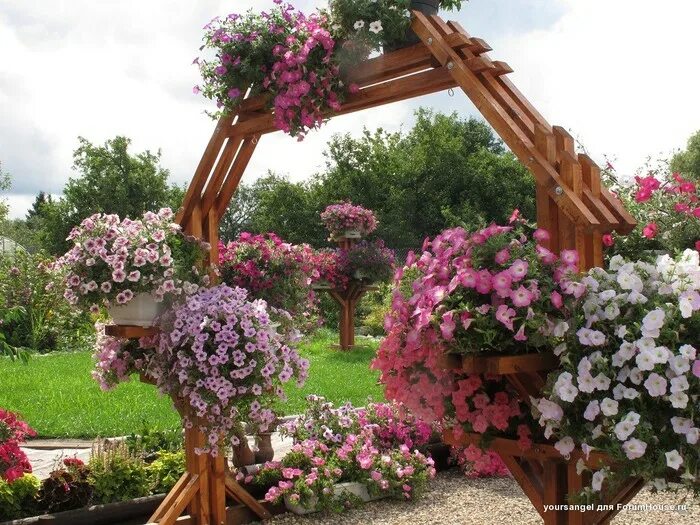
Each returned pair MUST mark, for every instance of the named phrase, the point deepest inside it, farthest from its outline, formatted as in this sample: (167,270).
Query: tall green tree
(446,171)
(5,184)
(110,179)
(687,162)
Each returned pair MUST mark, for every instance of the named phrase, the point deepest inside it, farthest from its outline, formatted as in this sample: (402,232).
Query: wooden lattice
(571,203)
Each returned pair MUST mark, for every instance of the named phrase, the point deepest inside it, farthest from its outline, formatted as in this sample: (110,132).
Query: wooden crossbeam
(501,121)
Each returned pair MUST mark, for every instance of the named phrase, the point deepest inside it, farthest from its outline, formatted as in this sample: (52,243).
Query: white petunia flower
(679,384)
(565,446)
(624,429)
(654,319)
(679,364)
(619,391)
(586,383)
(592,410)
(661,354)
(636,376)
(597,480)
(688,352)
(609,406)
(621,331)
(602,382)
(630,393)
(693,436)
(681,425)
(645,360)
(597,432)
(673,459)
(678,400)
(656,385)
(359,24)
(376,27)
(634,448)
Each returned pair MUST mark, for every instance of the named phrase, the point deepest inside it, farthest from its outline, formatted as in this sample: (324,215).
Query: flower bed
(375,447)
(13,462)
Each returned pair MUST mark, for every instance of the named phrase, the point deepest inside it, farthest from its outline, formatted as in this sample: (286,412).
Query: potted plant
(130,266)
(367,262)
(282,52)
(344,456)
(630,374)
(489,292)
(270,269)
(223,360)
(347,221)
(374,24)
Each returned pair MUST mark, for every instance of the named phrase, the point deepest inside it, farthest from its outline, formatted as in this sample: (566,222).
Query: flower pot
(265,451)
(142,310)
(340,490)
(428,8)
(352,234)
(242,454)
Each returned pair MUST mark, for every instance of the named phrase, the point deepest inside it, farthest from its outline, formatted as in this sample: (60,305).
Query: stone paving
(46,454)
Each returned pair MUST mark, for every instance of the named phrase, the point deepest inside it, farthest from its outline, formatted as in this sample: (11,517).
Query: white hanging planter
(339,490)
(142,310)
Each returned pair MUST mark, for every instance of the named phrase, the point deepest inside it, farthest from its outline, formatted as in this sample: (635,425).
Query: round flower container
(339,490)
(142,310)
(352,234)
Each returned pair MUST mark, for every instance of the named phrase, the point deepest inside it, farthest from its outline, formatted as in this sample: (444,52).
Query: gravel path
(456,500)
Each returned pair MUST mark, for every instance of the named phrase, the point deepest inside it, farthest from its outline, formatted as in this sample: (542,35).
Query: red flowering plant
(327,270)
(495,290)
(348,220)
(282,52)
(667,208)
(272,270)
(13,461)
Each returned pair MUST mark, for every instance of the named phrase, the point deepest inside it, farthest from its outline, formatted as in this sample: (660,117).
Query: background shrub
(116,474)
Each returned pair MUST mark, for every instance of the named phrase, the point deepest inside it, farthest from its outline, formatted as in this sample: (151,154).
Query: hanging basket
(142,311)
(428,8)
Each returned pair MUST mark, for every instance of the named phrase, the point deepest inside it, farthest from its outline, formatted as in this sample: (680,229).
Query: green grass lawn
(57,396)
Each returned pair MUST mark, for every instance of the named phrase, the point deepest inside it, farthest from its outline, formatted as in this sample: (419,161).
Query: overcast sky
(621,75)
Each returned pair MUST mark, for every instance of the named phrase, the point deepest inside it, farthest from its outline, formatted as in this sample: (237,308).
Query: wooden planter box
(544,475)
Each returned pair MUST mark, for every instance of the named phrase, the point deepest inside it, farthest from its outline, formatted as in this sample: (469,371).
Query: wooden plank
(212,237)
(233,488)
(194,223)
(170,498)
(502,68)
(622,496)
(525,483)
(217,489)
(507,364)
(180,502)
(201,174)
(237,514)
(627,222)
(412,86)
(539,451)
(574,485)
(130,332)
(564,141)
(480,64)
(499,119)
(567,232)
(553,491)
(222,168)
(512,91)
(233,178)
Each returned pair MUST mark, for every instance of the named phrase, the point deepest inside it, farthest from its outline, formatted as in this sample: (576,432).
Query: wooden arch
(571,203)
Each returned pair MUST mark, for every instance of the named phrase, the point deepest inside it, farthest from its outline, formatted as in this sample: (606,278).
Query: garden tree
(5,184)
(290,209)
(446,170)
(110,180)
(688,162)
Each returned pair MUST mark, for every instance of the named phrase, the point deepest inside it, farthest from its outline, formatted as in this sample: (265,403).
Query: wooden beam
(233,178)
(201,174)
(499,119)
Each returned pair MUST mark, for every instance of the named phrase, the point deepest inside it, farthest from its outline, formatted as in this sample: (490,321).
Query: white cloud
(619,74)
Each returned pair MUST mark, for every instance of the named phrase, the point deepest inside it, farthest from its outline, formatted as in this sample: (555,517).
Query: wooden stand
(571,202)
(203,488)
(348,299)
(543,474)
